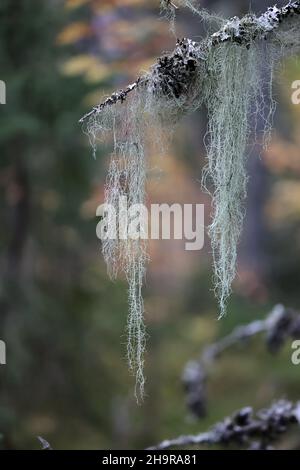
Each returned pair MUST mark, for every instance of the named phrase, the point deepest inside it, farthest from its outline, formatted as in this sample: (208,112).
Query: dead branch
(240,31)
(244,428)
(45,444)
(281,324)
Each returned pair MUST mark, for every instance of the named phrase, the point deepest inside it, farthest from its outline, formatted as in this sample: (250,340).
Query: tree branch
(281,323)
(240,31)
(244,428)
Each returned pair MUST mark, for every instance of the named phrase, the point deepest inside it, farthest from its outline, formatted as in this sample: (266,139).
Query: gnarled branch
(279,325)
(240,31)
(244,428)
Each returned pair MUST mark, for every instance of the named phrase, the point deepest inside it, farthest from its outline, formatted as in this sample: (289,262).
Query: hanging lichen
(229,73)
(169,8)
(233,94)
(126,179)
(128,124)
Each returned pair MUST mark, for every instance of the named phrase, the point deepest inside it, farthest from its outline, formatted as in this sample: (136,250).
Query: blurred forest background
(62,319)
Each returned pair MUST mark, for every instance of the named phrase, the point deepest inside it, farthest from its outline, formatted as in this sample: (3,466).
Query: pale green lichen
(234,80)
(232,87)
(128,126)
(169,9)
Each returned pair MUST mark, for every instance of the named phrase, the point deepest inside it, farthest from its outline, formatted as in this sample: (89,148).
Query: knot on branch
(173,74)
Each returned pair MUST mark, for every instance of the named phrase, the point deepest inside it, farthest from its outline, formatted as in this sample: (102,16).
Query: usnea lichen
(233,93)
(169,9)
(158,104)
(229,72)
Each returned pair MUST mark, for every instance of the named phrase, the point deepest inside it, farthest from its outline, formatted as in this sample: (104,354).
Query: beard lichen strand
(129,126)
(154,108)
(126,178)
(232,87)
(169,9)
(238,91)
(135,272)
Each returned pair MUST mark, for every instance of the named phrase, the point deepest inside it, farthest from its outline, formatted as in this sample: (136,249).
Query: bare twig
(173,5)
(244,428)
(45,445)
(280,324)
(240,31)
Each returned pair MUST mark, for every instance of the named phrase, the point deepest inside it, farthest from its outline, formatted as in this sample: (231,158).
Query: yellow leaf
(78,65)
(74,32)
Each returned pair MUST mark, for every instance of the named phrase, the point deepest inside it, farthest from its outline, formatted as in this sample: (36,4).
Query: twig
(280,324)
(113,99)
(173,5)
(244,428)
(240,31)
(45,445)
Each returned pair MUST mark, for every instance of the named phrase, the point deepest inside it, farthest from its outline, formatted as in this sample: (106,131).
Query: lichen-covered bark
(255,431)
(240,31)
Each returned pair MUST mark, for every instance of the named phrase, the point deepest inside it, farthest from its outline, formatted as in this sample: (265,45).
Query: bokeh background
(62,319)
